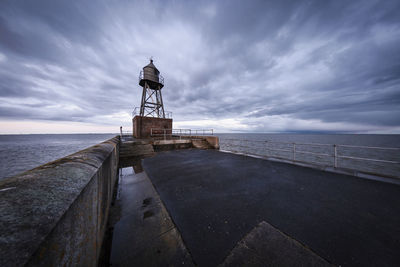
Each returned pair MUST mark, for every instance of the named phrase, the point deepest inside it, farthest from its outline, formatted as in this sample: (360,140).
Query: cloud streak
(260,66)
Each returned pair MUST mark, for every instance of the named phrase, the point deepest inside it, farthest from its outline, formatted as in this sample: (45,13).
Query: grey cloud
(333,61)
(11,87)
(25,44)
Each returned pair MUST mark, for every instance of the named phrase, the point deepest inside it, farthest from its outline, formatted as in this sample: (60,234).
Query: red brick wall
(142,125)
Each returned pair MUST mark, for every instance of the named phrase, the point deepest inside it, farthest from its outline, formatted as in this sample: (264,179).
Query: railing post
(180,134)
(212,131)
(294,151)
(164,135)
(335,155)
(120,130)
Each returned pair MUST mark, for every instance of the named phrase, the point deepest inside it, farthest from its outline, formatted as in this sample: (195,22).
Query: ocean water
(19,153)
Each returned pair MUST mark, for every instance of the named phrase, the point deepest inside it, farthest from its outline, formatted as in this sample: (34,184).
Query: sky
(234,66)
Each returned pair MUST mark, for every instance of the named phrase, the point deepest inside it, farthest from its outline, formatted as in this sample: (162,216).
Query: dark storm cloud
(266,65)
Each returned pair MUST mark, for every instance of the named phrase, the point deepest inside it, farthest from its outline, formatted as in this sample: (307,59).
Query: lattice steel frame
(152,103)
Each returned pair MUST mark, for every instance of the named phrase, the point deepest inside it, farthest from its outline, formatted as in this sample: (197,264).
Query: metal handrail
(376,160)
(313,153)
(335,155)
(170,132)
(279,142)
(136,112)
(372,147)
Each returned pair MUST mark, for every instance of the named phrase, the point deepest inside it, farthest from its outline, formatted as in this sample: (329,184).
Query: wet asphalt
(216,198)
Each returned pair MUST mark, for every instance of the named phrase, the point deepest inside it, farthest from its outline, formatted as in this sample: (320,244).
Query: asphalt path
(216,198)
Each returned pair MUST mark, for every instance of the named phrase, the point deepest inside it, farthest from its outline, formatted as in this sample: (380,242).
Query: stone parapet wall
(57,214)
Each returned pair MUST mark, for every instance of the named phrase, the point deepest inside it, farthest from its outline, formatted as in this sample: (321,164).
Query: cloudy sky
(235,66)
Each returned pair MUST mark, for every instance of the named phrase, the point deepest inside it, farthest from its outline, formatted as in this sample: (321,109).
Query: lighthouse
(152,116)
(152,82)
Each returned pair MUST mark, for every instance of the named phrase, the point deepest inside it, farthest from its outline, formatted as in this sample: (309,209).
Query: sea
(19,153)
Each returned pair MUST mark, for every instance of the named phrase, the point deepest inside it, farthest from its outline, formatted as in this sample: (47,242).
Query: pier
(216,200)
(160,196)
(179,201)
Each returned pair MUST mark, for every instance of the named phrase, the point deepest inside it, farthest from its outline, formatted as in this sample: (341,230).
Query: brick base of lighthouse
(142,126)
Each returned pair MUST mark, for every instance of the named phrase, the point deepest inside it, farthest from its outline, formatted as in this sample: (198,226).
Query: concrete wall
(165,145)
(212,140)
(142,126)
(57,213)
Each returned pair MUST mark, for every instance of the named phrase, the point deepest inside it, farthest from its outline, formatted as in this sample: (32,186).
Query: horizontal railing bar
(181,133)
(175,129)
(377,160)
(313,153)
(277,142)
(371,147)
(313,144)
(266,142)
(161,134)
(270,149)
(277,149)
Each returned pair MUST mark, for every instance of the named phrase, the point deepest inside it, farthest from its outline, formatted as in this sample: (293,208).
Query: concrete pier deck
(216,199)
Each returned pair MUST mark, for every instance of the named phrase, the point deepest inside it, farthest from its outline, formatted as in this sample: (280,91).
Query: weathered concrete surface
(216,198)
(131,151)
(201,144)
(56,214)
(267,246)
(164,145)
(144,234)
(213,141)
(171,142)
(133,148)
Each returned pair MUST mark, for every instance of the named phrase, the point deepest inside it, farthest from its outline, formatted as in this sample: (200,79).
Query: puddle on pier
(147,201)
(140,229)
(147,214)
(137,166)
(116,212)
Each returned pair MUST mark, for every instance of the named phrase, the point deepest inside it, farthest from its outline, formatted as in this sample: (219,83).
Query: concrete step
(201,144)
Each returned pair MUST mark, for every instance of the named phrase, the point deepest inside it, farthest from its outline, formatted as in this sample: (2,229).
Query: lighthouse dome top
(151,77)
(151,66)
